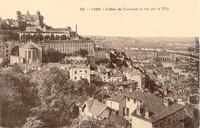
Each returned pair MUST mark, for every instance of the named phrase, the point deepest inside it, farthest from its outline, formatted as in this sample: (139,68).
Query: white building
(78,72)
(133,75)
(28,53)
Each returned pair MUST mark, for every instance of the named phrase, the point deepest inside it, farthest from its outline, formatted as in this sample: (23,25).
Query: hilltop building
(35,20)
(69,46)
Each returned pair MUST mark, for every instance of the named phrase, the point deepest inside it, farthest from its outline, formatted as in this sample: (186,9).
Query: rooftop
(116,83)
(81,66)
(81,100)
(154,104)
(95,107)
(132,71)
(116,98)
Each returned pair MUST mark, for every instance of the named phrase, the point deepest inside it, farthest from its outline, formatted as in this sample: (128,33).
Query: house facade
(78,72)
(145,110)
(91,108)
(133,75)
(30,52)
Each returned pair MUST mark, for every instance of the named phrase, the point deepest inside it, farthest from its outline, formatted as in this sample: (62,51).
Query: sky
(181,20)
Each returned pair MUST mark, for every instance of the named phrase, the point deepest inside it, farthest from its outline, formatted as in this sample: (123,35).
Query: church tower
(18,15)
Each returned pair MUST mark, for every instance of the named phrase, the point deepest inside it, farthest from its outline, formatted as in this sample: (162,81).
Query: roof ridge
(92,103)
(102,110)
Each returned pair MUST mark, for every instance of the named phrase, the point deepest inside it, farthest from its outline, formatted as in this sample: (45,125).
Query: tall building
(162,56)
(36,20)
(6,49)
(69,46)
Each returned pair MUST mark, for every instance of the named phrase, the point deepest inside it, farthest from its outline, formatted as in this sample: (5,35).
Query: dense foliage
(44,98)
(52,55)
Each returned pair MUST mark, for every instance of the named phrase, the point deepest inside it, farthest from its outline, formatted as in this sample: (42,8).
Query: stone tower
(18,15)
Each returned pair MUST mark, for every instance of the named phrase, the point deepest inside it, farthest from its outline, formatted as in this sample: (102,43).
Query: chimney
(146,114)
(166,101)
(138,111)
(76,31)
(165,91)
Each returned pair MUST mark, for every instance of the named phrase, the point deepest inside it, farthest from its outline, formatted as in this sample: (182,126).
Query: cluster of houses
(139,107)
(170,80)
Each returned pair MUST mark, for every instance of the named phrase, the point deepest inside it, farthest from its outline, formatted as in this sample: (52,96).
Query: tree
(33,122)
(5,63)
(96,80)
(55,91)
(22,25)
(17,95)
(63,37)
(83,52)
(52,56)
(17,69)
(104,123)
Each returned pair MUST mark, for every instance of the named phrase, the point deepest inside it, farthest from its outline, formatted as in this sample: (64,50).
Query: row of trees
(54,56)
(6,36)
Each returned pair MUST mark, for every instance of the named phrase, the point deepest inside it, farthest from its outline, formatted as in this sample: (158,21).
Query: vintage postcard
(99,64)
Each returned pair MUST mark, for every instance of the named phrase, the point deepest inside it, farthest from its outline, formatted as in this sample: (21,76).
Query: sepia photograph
(99,64)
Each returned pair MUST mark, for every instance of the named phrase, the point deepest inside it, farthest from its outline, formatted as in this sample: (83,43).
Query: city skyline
(64,13)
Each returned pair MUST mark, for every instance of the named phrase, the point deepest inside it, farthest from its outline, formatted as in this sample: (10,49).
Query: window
(128,99)
(75,72)
(117,112)
(86,71)
(83,107)
(127,111)
(156,125)
(134,101)
(169,120)
(75,78)
(80,70)
(177,116)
